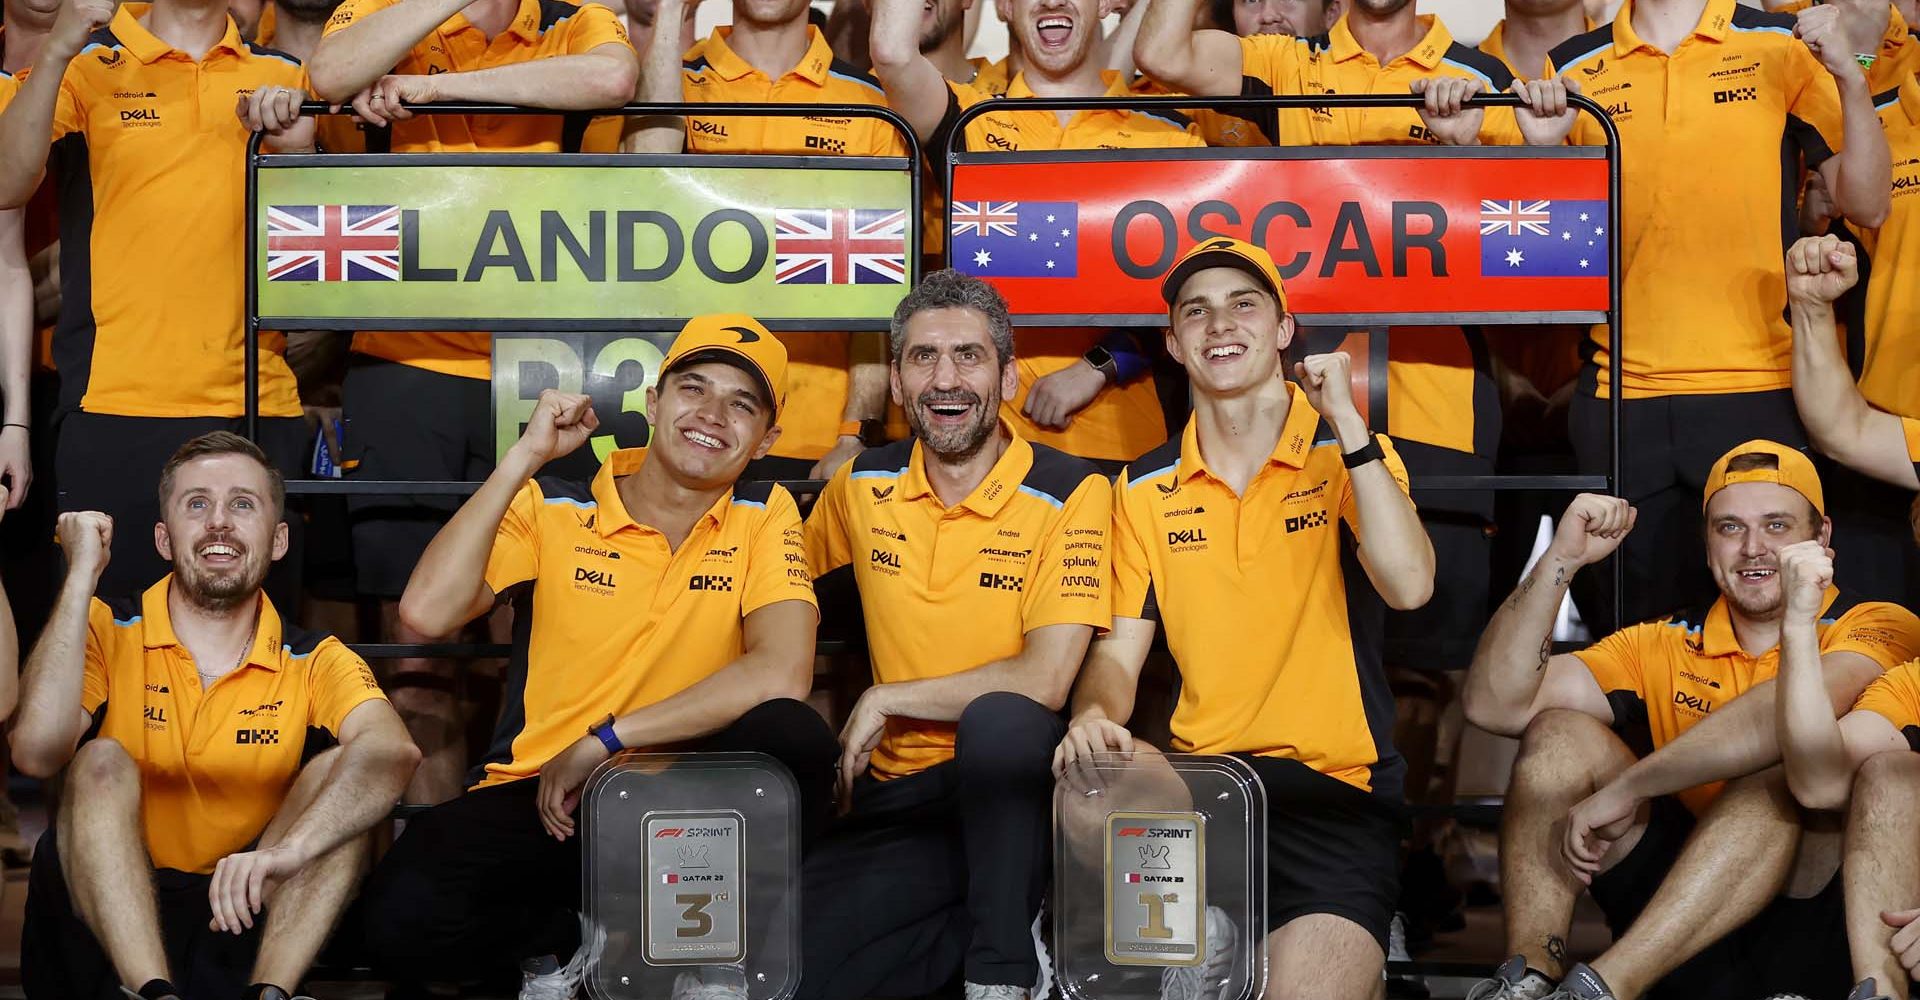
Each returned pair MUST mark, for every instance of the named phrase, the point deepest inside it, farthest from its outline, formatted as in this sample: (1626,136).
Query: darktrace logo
(711,582)
(1001,581)
(600,578)
(1311,519)
(826,145)
(1735,95)
(256,737)
(881,494)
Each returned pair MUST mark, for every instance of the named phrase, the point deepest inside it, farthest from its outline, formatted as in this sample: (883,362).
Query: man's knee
(1889,781)
(1562,746)
(1006,735)
(790,732)
(102,766)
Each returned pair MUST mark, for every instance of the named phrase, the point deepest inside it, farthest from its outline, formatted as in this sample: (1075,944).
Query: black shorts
(1794,946)
(112,464)
(1441,634)
(1331,848)
(400,422)
(61,960)
(1668,444)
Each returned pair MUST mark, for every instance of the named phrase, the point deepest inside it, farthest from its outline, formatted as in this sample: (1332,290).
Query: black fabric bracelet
(23,427)
(1356,459)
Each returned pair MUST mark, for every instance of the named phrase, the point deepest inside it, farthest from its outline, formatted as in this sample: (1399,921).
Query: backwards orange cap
(740,336)
(1795,472)
(1221,251)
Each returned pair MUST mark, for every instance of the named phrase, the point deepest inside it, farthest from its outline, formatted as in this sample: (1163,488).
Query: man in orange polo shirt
(1276,504)
(656,607)
(1696,82)
(186,723)
(417,406)
(1087,392)
(981,564)
(143,104)
(1625,745)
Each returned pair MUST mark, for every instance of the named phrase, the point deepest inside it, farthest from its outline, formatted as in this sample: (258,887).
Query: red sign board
(1362,235)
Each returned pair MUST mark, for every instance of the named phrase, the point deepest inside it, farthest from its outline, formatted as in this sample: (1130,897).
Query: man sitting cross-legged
(187,724)
(1710,890)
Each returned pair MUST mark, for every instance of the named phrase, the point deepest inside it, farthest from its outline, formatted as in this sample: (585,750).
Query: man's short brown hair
(222,443)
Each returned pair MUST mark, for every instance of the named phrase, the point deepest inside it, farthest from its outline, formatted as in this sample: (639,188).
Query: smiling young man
(1275,505)
(655,608)
(1711,889)
(982,568)
(186,723)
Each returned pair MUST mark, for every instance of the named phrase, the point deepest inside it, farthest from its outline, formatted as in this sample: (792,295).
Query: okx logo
(1311,519)
(1001,581)
(256,737)
(1736,94)
(710,581)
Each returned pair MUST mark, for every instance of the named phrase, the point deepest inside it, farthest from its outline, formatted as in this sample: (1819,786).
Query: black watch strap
(1372,451)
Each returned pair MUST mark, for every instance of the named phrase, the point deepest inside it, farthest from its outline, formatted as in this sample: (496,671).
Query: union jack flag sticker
(839,246)
(333,243)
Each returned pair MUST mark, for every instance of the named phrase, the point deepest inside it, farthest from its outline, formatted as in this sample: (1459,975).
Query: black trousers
(60,959)
(941,871)
(478,880)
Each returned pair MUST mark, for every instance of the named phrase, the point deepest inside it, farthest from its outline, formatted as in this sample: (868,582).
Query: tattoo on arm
(1520,594)
(1546,652)
(1559,575)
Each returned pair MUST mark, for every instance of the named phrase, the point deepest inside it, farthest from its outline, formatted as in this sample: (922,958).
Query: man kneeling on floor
(1710,889)
(656,607)
(196,733)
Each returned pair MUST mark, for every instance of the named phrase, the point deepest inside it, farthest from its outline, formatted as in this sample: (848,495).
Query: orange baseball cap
(728,336)
(1222,251)
(1795,471)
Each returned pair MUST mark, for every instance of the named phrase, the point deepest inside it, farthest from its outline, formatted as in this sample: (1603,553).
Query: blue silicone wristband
(607,737)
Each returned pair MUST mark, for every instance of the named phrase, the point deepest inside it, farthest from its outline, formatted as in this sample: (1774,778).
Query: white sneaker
(713,982)
(545,978)
(1513,981)
(976,991)
(1205,980)
(1043,988)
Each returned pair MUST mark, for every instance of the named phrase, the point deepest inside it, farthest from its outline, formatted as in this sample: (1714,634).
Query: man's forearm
(866,377)
(1824,392)
(1510,662)
(587,82)
(442,586)
(1394,548)
(1864,191)
(661,82)
(1105,690)
(365,783)
(1163,47)
(1819,770)
(1044,677)
(351,59)
(1734,740)
(48,723)
(16,318)
(718,700)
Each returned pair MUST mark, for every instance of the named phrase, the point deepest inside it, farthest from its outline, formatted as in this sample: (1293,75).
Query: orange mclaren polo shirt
(215,762)
(609,618)
(146,142)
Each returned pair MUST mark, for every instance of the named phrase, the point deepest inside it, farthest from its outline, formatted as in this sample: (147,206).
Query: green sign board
(500,242)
